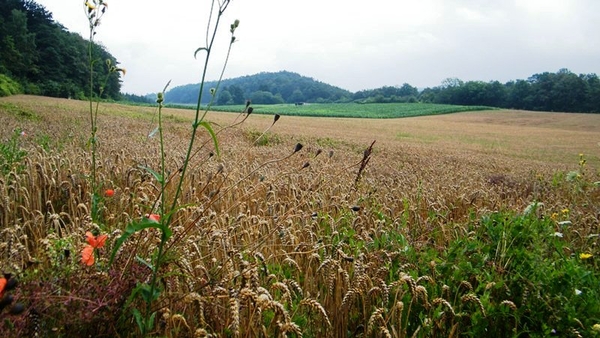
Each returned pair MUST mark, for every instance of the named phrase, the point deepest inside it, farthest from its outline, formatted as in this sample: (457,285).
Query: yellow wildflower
(554,216)
(596,328)
(90,6)
(565,211)
(585,255)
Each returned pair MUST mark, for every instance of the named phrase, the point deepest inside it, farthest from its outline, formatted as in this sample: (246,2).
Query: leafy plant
(11,153)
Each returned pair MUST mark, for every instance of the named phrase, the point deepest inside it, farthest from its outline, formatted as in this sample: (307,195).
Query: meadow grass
(441,238)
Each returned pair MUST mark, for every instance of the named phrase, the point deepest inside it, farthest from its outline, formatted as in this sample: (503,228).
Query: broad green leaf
(134,227)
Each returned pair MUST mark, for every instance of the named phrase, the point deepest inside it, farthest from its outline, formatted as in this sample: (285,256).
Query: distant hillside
(262,88)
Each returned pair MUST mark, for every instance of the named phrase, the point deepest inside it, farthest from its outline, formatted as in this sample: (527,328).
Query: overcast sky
(351,44)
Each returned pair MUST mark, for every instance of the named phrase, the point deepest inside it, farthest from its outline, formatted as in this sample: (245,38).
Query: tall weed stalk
(95,10)
(162,217)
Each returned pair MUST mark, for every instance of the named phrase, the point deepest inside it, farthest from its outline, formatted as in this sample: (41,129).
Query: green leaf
(207,126)
(144,262)
(150,323)
(134,227)
(156,175)
(149,295)
(139,319)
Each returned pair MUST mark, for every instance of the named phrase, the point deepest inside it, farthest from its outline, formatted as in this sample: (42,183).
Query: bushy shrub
(8,86)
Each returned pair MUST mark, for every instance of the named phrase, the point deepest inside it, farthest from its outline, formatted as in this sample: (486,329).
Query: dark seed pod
(248,102)
(276,118)
(17,309)
(319,151)
(298,147)
(11,284)
(306,165)
(6,301)
(250,110)
(330,153)
(355,208)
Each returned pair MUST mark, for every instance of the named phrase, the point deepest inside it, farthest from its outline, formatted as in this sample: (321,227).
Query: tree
(224,98)
(264,97)
(237,94)
(18,52)
(592,93)
(296,96)
(407,90)
(519,95)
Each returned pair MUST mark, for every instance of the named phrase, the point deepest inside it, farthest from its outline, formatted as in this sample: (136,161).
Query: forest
(40,56)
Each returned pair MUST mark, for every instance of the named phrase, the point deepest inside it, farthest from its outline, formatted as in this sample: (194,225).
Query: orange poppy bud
(154,217)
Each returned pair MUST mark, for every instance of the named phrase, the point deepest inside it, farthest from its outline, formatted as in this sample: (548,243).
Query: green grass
(368,110)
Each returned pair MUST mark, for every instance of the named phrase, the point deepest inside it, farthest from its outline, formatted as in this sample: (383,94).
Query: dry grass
(258,247)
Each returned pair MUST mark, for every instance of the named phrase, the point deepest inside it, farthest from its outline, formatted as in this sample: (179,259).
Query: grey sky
(351,44)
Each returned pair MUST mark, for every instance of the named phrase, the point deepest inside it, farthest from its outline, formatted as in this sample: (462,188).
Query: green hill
(262,88)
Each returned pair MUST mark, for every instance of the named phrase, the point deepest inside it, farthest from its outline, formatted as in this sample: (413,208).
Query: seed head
(298,147)
(276,118)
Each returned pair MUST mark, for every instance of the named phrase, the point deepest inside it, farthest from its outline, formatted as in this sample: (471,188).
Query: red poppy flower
(109,193)
(3,282)
(94,242)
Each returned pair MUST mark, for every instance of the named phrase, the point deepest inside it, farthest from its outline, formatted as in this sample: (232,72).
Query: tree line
(562,91)
(40,56)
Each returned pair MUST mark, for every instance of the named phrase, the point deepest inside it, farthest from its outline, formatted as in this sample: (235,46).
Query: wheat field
(268,241)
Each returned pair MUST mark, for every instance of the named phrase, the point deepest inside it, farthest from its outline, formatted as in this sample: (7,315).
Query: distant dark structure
(299,103)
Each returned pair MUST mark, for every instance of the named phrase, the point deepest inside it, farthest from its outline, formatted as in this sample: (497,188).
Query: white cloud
(351,44)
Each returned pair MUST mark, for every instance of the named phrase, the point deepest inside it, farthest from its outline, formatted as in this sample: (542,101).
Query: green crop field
(369,110)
